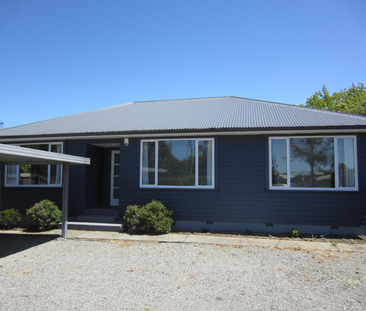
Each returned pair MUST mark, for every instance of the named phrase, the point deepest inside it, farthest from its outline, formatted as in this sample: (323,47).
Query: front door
(115,178)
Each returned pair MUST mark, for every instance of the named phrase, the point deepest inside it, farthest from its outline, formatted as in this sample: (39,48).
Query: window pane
(43,147)
(116,193)
(116,170)
(205,163)
(116,158)
(33,174)
(56,148)
(55,174)
(312,162)
(279,162)
(148,163)
(11,174)
(176,163)
(346,160)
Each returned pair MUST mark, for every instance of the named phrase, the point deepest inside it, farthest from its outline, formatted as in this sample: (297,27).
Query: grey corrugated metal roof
(189,114)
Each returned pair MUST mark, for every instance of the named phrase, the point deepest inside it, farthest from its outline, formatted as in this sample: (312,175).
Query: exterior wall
(24,198)
(77,178)
(242,195)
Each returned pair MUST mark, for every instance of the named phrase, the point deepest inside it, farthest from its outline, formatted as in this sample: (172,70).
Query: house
(224,163)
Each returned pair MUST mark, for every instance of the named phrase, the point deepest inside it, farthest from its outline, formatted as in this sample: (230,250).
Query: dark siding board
(77,179)
(241,195)
(94,177)
(24,198)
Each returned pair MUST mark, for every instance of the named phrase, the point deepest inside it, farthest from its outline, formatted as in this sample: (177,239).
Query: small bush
(249,232)
(151,218)
(295,233)
(205,230)
(10,218)
(45,213)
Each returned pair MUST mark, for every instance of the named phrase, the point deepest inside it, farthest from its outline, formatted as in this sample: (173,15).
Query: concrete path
(190,238)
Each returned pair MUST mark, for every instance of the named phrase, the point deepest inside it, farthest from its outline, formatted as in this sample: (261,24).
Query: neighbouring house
(224,163)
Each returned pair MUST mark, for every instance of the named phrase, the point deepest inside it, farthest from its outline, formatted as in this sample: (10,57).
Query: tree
(352,100)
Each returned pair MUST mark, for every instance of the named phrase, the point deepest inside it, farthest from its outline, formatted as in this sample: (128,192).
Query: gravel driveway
(40,273)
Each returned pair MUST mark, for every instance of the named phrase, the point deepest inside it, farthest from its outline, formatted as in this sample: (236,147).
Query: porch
(97,219)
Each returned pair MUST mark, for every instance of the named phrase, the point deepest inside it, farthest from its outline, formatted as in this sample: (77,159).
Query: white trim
(193,134)
(336,177)
(113,202)
(157,186)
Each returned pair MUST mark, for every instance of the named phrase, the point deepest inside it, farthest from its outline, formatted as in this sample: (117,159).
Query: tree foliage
(351,100)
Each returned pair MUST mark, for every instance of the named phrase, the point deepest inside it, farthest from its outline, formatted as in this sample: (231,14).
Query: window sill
(32,186)
(313,191)
(177,189)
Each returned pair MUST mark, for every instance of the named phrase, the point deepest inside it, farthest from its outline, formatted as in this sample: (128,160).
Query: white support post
(65,198)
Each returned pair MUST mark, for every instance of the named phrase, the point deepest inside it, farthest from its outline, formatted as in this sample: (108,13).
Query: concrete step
(101,211)
(99,218)
(93,226)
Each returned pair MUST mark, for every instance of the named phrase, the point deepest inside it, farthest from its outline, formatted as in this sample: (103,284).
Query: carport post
(65,198)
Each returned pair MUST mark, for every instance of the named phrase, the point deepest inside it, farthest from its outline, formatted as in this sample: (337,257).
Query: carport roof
(19,155)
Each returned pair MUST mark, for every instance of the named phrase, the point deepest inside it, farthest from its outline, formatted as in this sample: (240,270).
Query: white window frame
(196,186)
(336,177)
(48,171)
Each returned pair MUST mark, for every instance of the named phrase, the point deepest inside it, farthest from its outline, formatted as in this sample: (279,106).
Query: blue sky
(64,57)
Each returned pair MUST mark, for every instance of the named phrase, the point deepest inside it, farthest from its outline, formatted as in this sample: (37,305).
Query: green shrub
(10,218)
(205,230)
(151,218)
(45,213)
(295,233)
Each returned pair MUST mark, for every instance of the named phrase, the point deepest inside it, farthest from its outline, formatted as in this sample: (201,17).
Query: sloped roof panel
(189,114)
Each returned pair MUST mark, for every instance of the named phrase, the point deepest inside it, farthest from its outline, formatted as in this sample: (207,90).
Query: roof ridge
(178,99)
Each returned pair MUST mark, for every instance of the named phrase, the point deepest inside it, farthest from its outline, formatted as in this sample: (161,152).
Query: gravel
(41,273)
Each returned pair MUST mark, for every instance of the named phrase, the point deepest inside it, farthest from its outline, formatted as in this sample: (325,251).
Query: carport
(14,155)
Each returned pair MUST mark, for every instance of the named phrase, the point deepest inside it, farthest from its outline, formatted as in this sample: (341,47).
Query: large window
(35,175)
(315,163)
(177,163)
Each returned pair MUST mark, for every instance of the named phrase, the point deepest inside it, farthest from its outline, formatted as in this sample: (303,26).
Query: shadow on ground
(13,243)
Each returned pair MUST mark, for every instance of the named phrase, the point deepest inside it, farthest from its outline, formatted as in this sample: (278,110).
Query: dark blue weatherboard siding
(77,178)
(24,198)
(241,194)
(94,177)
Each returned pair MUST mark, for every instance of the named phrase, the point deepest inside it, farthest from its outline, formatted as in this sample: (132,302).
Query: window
(315,163)
(35,175)
(176,163)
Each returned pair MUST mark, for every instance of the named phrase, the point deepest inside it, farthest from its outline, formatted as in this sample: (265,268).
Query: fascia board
(184,134)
